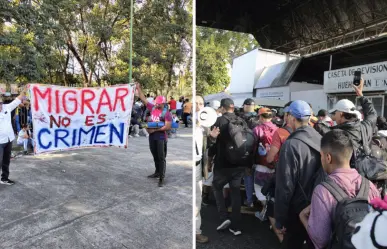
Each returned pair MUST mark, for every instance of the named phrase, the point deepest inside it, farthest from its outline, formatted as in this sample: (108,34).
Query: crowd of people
(312,176)
(16,122)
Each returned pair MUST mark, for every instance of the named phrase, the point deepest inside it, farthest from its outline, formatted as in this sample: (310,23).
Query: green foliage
(215,51)
(86,42)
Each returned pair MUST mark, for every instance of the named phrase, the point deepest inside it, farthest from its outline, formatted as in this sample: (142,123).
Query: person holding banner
(157,136)
(7,135)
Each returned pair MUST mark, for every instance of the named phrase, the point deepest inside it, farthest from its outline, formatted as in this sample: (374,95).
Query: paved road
(99,198)
(255,234)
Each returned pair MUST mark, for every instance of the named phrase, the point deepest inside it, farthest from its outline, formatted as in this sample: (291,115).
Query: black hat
(249,102)
(322,113)
(227,103)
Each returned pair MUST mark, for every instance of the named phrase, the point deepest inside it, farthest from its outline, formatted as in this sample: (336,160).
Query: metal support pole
(131,42)
(330,63)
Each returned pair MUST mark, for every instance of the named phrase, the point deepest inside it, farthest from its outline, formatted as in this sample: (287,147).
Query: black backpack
(372,168)
(349,211)
(251,121)
(240,149)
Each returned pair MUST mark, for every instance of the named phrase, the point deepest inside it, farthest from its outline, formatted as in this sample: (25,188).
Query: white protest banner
(340,80)
(68,118)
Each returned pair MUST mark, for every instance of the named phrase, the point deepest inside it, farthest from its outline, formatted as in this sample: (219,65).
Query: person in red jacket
(172,104)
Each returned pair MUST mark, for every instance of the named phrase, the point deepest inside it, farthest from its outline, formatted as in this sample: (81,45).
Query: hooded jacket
(268,129)
(298,163)
(353,129)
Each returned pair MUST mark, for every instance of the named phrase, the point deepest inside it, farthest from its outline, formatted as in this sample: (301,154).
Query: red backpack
(266,139)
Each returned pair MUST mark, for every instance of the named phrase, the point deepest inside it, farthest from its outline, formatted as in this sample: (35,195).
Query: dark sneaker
(155,175)
(205,200)
(7,182)
(225,224)
(161,182)
(235,231)
(201,239)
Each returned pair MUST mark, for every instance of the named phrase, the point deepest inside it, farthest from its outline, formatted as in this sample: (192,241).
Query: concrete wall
(298,86)
(317,98)
(245,67)
(243,72)
(268,58)
(279,93)
(239,98)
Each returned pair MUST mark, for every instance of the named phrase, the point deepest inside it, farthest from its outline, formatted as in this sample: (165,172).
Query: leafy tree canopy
(215,51)
(86,43)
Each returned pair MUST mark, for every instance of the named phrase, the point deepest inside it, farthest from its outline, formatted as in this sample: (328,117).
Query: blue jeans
(249,185)
(179,113)
(17,121)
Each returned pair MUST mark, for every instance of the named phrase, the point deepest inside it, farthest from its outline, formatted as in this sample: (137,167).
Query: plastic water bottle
(262,150)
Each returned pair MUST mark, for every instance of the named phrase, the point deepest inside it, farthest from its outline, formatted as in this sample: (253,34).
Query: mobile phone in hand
(357,78)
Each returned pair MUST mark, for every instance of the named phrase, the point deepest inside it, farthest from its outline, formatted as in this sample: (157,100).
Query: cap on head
(345,106)
(249,102)
(300,109)
(264,110)
(160,100)
(215,104)
(227,103)
(322,113)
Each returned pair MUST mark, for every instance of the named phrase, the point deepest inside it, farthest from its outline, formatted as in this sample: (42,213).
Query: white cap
(215,104)
(345,106)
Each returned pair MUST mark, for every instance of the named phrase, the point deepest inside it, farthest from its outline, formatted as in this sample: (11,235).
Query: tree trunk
(78,58)
(97,78)
(50,74)
(66,83)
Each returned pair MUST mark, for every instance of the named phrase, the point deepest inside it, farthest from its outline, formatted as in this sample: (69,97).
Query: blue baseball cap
(286,109)
(300,109)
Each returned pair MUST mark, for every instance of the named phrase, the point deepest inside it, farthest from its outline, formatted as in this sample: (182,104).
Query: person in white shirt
(7,135)
(179,107)
(24,138)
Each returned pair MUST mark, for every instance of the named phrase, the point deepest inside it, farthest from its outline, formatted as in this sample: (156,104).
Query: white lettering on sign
(374,75)
(68,118)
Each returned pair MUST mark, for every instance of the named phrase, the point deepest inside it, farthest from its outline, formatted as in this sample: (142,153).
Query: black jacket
(251,119)
(221,141)
(297,165)
(369,123)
